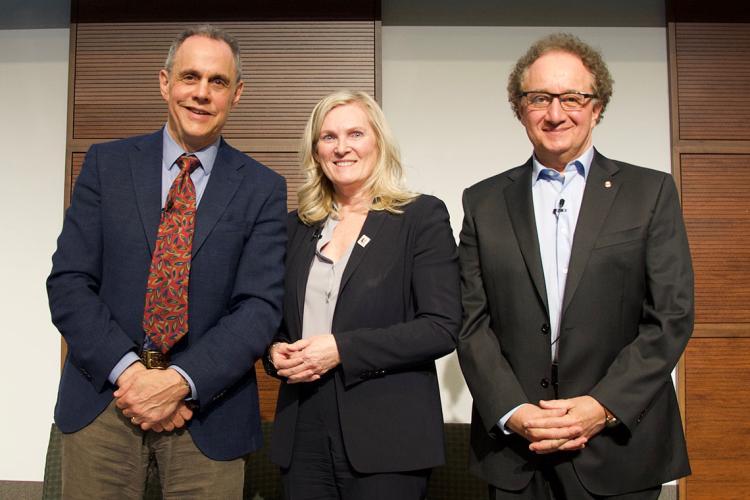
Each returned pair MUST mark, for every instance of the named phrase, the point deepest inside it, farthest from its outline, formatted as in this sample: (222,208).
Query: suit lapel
(520,208)
(222,185)
(370,228)
(145,166)
(302,252)
(595,207)
(300,256)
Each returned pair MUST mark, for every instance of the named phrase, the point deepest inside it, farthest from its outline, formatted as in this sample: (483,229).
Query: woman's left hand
(317,355)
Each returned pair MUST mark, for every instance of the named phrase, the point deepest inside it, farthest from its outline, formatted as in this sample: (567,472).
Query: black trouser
(320,468)
(556,479)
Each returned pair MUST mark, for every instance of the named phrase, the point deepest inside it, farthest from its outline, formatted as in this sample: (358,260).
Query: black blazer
(97,287)
(627,316)
(398,310)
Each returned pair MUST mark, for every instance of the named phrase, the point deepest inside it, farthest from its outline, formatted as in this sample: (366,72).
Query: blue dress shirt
(557,201)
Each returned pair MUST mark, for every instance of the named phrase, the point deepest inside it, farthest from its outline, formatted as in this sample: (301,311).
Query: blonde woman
(372,299)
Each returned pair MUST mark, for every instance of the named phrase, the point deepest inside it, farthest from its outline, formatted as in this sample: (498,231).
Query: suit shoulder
(491,184)
(293,220)
(424,203)
(253,165)
(137,141)
(636,171)
(425,212)
(647,183)
(293,223)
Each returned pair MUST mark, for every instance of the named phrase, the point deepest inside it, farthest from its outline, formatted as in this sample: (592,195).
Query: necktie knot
(188,163)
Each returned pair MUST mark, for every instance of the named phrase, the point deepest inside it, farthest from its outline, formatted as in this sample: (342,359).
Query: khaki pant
(109,459)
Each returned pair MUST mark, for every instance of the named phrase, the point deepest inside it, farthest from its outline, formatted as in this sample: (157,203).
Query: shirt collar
(171,151)
(582,164)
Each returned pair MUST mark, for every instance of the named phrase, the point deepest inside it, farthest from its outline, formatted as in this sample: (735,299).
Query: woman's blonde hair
(385,184)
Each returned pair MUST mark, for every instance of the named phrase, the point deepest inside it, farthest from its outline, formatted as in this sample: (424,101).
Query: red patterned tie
(165,317)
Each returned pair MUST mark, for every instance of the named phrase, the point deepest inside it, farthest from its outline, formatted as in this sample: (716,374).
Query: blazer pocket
(621,237)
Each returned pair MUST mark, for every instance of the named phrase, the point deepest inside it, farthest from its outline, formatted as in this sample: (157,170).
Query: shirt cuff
(504,419)
(127,360)
(193,390)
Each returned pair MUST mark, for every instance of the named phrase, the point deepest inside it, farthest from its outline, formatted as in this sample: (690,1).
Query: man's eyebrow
(191,71)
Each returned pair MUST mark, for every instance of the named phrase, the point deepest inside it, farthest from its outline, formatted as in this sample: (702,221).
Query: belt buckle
(155,360)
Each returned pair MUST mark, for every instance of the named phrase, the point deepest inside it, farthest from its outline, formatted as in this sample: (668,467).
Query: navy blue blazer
(98,284)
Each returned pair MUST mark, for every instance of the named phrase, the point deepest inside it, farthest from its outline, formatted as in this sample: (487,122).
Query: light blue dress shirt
(171,151)
(557,202)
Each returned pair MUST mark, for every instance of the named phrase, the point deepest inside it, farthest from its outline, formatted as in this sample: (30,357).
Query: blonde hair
(385,184)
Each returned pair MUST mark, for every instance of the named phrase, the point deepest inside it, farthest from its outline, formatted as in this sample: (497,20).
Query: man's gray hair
(211,32)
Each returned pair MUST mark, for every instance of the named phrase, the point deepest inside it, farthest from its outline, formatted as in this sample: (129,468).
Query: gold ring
(132,421)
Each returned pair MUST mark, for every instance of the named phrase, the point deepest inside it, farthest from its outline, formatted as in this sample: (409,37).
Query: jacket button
(545,329)
(544,383)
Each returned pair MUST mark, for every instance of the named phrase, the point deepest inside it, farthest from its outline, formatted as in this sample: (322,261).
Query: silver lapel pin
(363,240)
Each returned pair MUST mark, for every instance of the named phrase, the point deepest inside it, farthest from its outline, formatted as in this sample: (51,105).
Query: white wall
(444,96)
(33,83)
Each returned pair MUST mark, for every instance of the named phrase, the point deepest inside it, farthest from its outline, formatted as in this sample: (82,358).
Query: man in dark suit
(167,285)
(578,301)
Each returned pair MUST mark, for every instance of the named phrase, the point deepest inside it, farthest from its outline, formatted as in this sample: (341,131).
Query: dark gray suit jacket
(627,316)
(97,287)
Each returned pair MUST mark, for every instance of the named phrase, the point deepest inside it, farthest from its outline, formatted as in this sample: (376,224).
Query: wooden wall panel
(709,73)
(287,67)
(75,166)
(715,192)
(713,77)
(717,426)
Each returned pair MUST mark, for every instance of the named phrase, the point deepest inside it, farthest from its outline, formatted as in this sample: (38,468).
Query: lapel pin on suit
(363,240)
(607,184)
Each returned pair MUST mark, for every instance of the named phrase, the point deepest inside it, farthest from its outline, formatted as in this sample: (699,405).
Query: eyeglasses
(569,101)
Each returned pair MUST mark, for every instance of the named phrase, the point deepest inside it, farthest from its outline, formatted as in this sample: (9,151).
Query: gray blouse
(323,285)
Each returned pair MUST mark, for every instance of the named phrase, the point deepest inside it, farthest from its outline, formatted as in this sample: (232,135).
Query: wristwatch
(270,350)
(609,419)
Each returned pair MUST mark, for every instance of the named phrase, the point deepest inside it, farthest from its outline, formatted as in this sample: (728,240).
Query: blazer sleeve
(226,351)
(642,368)
(95,341)
(490,378)
(282,334)
(435,292)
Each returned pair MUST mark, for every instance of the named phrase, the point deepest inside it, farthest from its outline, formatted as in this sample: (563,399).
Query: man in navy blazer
(578,301)
(198,415)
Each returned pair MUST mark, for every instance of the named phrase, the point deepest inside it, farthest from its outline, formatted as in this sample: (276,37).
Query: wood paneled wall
(710,86)
(288,64)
